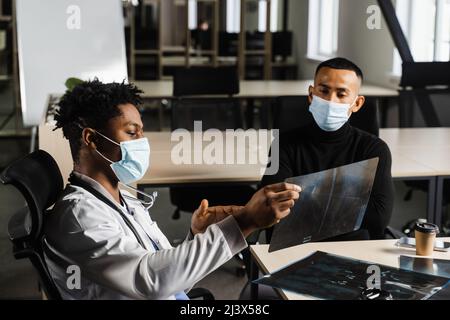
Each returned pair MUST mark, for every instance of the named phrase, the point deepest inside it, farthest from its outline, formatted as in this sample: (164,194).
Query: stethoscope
(147,204)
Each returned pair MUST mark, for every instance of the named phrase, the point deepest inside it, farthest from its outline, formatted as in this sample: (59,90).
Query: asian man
(329,141)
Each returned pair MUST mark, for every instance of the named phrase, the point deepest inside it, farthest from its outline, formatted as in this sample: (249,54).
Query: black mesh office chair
(219,111)
(290,112)
(195,81)
(367,118)
(38,178)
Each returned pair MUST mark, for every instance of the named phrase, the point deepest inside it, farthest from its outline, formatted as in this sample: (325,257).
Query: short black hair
(92,104)
(341,64)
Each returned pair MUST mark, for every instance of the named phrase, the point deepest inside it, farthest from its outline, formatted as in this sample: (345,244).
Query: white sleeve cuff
(233,235)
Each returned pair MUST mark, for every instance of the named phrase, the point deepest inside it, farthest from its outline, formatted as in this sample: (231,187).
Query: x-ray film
(437,267)
(332,277)
(332,202)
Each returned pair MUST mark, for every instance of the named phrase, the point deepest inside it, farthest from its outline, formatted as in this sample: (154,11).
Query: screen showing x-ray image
(327,276)
(332,202)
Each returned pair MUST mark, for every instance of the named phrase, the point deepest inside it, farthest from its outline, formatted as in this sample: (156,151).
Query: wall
(372,50)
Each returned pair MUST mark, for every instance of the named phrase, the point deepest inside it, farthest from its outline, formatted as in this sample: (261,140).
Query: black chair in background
(228,44)
(195,81)
(255,40)
(39,180)
(367,117)
(219,111)
(292,112)
(202,39)
(282,44)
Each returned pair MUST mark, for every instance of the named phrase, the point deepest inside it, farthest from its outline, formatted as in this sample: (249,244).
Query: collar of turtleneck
(317,134)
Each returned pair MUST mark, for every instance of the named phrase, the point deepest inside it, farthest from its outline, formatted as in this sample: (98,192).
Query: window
(192,7)
(426,24)
(323,28)
(262,16)
(234,15)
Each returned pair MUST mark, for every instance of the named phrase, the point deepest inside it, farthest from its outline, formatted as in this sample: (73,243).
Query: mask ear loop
(96,150)
(152,197)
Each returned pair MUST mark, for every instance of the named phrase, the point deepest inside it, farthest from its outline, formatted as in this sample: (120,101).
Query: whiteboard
(59,39)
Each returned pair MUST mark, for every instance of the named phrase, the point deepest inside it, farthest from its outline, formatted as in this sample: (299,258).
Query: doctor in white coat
(109,236)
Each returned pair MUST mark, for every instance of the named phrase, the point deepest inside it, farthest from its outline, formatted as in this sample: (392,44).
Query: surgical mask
(330,116)
(135,159)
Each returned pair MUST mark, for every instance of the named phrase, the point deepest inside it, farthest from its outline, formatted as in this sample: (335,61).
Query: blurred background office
(262,40)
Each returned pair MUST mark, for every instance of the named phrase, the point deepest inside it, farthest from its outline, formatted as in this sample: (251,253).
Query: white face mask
(330,116)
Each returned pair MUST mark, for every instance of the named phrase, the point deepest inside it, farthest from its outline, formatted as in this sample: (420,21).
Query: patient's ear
(310,94)
(358,104)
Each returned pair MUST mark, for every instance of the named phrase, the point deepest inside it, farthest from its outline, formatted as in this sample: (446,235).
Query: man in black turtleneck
(330,141)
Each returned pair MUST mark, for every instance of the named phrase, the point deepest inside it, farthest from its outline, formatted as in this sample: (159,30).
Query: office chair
(196,81)
(282,44)
(39,180)
(292,112)
(366,118)
(221,112)
(228,44)
(215,113)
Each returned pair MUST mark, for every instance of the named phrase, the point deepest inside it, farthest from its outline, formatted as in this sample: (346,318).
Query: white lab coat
(88,233)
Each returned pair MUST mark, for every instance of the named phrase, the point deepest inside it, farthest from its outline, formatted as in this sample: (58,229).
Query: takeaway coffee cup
(425,236)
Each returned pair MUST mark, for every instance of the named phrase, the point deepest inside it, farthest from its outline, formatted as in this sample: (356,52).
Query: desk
(257,89)
(379,252)
(430,149)
(163,172)
(416,154)
(263,89)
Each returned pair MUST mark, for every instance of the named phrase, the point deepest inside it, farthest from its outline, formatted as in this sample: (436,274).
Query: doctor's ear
(310,94)
(89,137)
(359,102)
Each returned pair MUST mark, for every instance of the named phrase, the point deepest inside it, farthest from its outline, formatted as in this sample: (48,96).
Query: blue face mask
(135,159)
(329,116)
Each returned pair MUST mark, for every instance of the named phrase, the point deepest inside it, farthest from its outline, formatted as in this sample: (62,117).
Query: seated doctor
(109,235)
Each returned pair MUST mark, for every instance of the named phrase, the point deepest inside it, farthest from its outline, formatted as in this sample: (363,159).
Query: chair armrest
(200,293)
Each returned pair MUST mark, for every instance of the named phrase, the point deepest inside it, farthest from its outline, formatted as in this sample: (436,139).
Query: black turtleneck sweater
(310,149)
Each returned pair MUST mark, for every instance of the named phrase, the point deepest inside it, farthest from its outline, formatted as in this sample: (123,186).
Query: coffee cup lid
(427,227)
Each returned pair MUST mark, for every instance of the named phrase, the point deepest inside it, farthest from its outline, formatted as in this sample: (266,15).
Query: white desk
(416,154)
(381,252)
(258,89)
(426,150)
(407,162)
(416,137)
(162,172)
